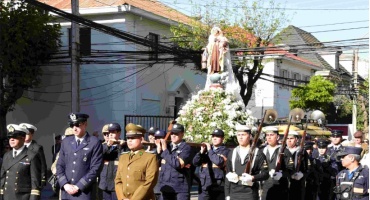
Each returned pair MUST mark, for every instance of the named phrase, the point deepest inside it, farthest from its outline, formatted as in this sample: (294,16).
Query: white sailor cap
(294,133)
(29,127)
(269,129)
(15,130)
(242,128)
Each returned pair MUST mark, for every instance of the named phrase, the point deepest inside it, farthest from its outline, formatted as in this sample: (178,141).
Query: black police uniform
(39,150)
(110,164)
(327,174)
(20,175)
(212,170)
(312,174)
(333,151)
(175,181)
(352,185)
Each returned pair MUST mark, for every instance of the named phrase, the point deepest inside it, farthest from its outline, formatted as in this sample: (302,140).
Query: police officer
(239,184)
(297,180)
(151,138)
(175,174)
(158,135)
(105,133)
(33,146)
(137,171)
(277,184)
(111,151)
(80,158)
(212,162)
(20,172)
(335,147)
(312,174)
(353,182)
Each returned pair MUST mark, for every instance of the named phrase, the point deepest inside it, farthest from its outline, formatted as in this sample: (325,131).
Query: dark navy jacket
(79,166)
(215,171)
(40,153)
(110,164)
(360,184)
(335,164)
(173,178)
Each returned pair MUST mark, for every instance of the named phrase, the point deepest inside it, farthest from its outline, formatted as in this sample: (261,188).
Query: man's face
(29,137)
(272,138)
(134,143)
(336,139)
(16,142)
(347,160)
(243,138)
(79,129)
(291,141)
(177,137)
(106,136)
(151,138)
(358,140)
(217,140)
(114,135)
(322,151)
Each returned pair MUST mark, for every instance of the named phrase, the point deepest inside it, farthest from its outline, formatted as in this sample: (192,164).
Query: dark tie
(15,154)
(78,142)
(132,155)
(174,147)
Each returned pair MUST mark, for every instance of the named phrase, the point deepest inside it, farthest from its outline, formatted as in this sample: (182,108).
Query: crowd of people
(132,169)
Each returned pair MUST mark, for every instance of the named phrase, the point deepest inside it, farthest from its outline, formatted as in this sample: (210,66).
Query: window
(154,39)
(296,79)
(284,74)
(307,78)
(85,41)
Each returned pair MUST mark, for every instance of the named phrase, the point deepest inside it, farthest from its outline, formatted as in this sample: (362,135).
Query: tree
(27,40)
(316,95)
(254,27)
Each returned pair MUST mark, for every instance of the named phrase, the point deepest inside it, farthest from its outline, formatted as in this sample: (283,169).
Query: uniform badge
(85,159)
(73,117)
(11,129)
(175,126)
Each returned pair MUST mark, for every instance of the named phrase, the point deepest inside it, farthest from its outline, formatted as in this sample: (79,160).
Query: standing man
(175,174)
(277,185)
(33,146)
(105,133)
(212,163)
(353,182)
(297,182)
(238,184)
(151,138)
(111,152)
(80,158)
(313,174)
(20,172)
(137,171)
(334,148)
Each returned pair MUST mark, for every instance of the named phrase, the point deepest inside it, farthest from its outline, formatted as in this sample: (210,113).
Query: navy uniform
(327,174)
(137,171)
(20,172)
(33,146)
(313,173)
(79,165)
(110,162)
(212,170)
(353,184)
(158,134)
(175,173)
(275,187)
(334,149)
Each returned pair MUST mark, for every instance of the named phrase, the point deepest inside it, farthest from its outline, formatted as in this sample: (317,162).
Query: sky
(327,20)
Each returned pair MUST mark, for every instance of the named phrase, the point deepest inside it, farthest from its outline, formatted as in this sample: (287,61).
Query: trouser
(275,189)
(212,193)
(109,195)
(175,196)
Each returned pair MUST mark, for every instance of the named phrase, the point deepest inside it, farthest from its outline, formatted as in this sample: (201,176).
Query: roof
(151,6)
(292,35)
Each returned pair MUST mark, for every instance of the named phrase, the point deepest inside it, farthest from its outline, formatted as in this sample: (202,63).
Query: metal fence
(148,121)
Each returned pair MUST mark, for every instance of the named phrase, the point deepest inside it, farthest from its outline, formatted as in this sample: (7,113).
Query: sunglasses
(77,124)
(105,134)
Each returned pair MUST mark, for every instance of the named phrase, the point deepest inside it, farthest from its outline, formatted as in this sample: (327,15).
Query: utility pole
(75,55)
(355,89)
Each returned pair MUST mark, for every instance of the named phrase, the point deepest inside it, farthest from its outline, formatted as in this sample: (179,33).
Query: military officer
(80,158)
(212,163)
(20,172)
(277,184)
(137,171)
(33,146)
(175,173)
(239,184)
(353,182)
(297,181)
(111,152)
(335,147)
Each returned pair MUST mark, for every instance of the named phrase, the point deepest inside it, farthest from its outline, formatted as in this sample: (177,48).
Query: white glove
(227,198)
(277,176)
(272,172)
(232,177)
(246,179)
(297,176)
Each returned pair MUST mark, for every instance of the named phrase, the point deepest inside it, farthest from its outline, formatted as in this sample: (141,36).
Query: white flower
(213,124)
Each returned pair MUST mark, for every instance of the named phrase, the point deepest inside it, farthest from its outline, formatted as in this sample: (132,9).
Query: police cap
(133,130)
(16,131)
(336,133)
(308,145)
(152,130)
(322,144)
(218,132)
(114,127)
(177,128)
(77,117)
(349,150)
(160,133)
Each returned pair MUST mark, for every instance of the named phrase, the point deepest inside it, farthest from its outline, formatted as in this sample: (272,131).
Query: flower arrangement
(210,109)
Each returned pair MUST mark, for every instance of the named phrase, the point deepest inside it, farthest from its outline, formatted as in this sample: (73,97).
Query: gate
(147,121)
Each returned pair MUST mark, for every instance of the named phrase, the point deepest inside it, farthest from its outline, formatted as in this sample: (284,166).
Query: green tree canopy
(27,40)
(316,95)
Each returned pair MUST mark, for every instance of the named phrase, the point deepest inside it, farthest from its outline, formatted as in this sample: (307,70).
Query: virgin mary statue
(216,59)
